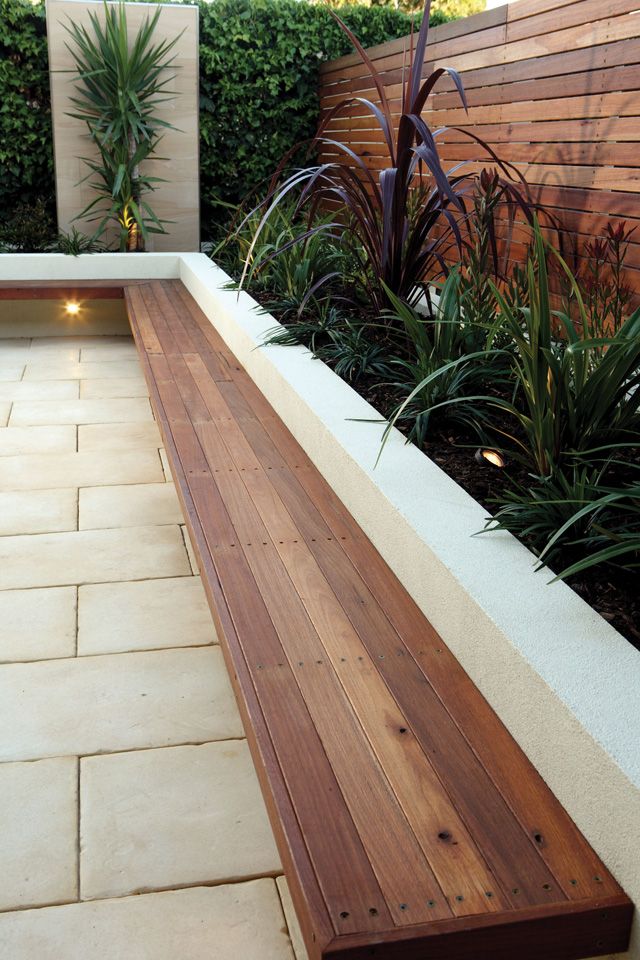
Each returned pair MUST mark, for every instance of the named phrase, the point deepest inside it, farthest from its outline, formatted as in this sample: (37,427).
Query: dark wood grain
(409,822)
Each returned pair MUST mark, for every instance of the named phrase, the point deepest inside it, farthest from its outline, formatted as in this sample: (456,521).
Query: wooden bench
(409,822)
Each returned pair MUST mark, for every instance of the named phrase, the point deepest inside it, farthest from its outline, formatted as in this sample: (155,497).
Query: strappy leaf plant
(402,222)
(121,83)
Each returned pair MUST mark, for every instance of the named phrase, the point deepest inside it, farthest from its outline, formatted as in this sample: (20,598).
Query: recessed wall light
(72,308)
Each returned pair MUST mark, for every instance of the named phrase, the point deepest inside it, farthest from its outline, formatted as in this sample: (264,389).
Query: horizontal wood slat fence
(552,87)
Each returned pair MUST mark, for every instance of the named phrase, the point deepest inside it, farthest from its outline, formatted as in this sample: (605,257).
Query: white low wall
(564,682)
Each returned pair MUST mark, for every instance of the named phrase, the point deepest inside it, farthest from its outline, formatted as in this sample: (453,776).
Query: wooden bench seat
(409,822)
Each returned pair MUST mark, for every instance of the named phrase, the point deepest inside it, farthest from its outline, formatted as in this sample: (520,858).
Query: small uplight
(490,456)
(72,308)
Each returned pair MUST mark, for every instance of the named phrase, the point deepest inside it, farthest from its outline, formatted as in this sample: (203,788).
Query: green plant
(437,373)
(573,391)
(73,243)
(352,354)
(575,518)
(120,84)
(26,154)
(29,229)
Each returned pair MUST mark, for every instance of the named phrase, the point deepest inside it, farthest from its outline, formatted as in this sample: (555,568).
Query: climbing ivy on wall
(259,63)
(26,153)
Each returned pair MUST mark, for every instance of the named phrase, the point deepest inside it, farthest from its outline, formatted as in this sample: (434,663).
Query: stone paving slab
(52,369)
(11,372)
(130,505)
(37,624)
(144,615)
(5,410)
(108,389)
(295,932)
(19,440)
(123,351)
(166,818)
(38,840)
(87,469)
(118,436)
(14,350)
(191,552)
(36,390)
(38,511)
(92,556)
(36,412)
(240,921)
(127,701)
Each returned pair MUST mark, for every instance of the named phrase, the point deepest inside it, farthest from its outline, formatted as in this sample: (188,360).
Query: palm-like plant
(119,87)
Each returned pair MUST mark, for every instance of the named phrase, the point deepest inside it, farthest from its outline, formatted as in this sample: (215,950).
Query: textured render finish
(217,830)
(242,921)
(563,680)
(175,200)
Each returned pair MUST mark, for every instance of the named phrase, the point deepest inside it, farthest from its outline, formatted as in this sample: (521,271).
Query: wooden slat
(398,824)
(552,88)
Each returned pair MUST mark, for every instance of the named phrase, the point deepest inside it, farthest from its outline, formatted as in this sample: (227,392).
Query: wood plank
(349,720)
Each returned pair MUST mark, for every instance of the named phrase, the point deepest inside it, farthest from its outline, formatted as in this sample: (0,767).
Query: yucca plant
(120,85)
(402,222)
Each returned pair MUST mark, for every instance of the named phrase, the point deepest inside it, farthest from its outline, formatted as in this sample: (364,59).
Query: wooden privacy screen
(552,87)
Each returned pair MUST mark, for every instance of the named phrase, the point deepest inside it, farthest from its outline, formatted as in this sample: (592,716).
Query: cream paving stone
(125,701)
(92,556)
(36,390)
(130,505)
(240,921)
(11,372)
(36,412)
(106,389)
(36,471)
(191,552)
(41,345)
(38,840)
(69,370)
(14,350)
(18,440)
(295,933)
(37,624)
(204,803)
(5,410)
(38,511)
(143,615)
(118,436)
(165,465)
(108,351)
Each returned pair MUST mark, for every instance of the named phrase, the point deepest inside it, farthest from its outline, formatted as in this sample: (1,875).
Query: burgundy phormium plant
(404,245)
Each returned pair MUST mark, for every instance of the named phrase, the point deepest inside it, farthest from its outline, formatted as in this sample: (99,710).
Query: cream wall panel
(177,200)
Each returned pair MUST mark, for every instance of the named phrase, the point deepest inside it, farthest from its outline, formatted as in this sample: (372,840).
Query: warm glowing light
(72,308)
(490,456)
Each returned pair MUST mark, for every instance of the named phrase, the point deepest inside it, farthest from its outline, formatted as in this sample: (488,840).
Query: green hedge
(259,64)
(26,154)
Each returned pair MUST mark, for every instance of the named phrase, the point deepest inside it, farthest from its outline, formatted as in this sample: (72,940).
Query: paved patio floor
(132,822)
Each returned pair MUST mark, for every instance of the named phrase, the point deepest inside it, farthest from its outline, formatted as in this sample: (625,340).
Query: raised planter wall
(565,683)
